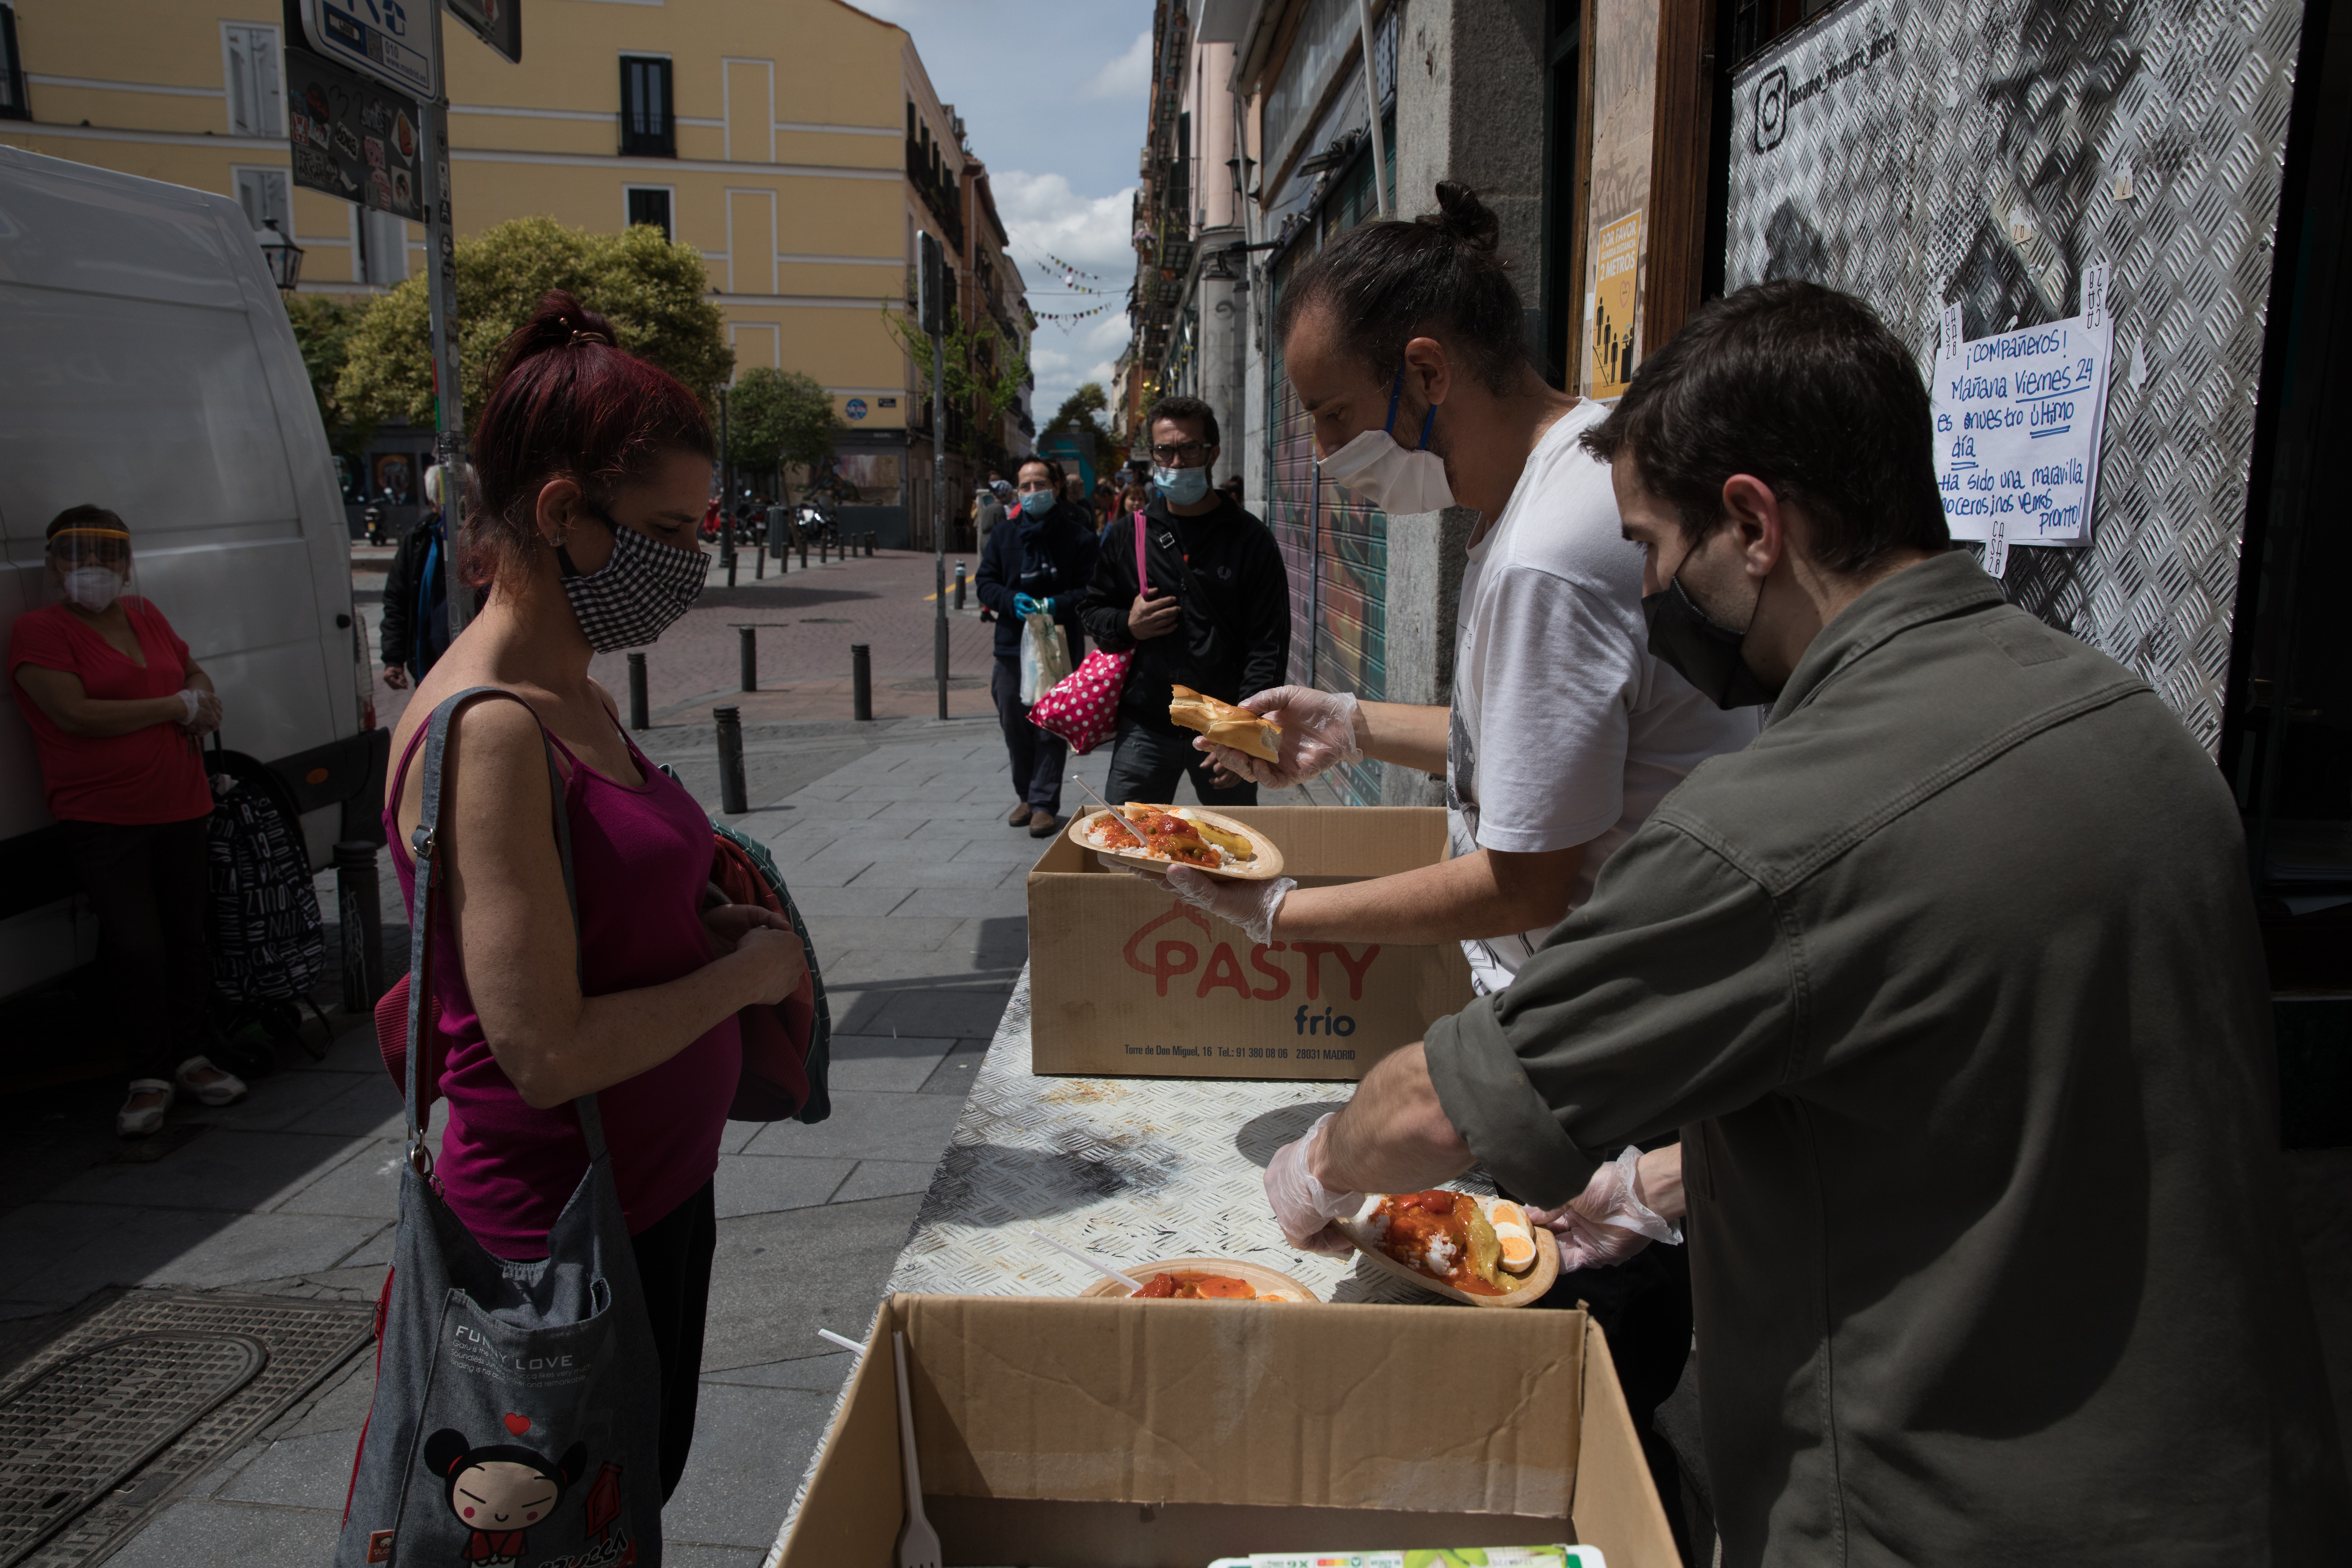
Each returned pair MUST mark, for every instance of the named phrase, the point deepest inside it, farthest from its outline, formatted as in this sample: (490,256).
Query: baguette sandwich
(1224,723)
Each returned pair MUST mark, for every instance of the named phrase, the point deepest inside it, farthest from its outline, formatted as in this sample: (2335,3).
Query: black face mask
(1687,640)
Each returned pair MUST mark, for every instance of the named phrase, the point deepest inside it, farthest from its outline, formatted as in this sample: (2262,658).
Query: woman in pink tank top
(591,468)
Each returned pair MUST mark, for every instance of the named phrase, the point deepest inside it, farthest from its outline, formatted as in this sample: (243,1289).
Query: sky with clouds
(1053,94)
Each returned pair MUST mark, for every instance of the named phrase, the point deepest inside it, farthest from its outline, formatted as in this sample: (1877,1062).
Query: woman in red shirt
(116,706)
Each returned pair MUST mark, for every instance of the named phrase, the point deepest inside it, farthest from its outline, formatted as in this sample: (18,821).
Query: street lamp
(283,257)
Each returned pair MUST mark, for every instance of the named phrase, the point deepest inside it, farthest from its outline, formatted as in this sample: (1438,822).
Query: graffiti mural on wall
(1919,153)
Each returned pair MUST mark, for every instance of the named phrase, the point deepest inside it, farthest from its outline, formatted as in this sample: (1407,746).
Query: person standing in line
(989,509)
(416,628)
(1233,489)
(1217,618)
(1040,562)
(593,467)
(116,706)
(1104,503)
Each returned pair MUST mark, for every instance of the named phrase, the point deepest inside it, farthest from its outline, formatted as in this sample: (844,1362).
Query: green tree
(324,325)
(779,418)
(985,373)
(1081,414)
(655,293)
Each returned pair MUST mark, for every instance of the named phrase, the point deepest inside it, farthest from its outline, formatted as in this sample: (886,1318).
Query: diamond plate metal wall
(1920,152)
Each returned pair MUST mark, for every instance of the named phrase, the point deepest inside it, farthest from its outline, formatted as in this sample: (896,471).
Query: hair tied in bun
(1464,219)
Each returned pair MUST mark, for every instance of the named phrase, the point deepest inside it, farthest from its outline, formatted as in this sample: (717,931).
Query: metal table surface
(1129,1170)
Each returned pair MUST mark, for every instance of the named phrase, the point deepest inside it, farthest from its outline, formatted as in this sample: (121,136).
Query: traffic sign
(388,41)
(498,22)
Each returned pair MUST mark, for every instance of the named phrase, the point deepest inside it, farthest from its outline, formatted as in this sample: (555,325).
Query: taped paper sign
(2016,422)
(1616,277)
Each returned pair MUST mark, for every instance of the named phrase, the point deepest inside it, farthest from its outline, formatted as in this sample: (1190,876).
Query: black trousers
(1039,757)
(1145,766)
(674,1257)
(148,883)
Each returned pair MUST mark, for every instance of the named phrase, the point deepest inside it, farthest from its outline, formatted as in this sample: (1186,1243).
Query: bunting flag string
(1067,317)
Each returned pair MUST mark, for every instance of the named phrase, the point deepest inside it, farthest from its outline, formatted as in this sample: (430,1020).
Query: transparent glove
(1606,1224)
(1319,733)
(1249,905)
(1303,1206)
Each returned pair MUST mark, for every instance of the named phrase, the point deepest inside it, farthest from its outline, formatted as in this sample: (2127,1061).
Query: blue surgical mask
(1183,487)
(1037,503)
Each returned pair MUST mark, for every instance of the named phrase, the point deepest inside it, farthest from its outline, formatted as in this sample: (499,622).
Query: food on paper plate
(1224,723)
(1192,1285)
(1480,1247)
(1171,834)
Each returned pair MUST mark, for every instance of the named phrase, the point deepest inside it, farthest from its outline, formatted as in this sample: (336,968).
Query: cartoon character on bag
(500,1490)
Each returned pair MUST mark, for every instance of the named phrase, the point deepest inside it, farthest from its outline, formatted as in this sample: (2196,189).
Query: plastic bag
(1045,656)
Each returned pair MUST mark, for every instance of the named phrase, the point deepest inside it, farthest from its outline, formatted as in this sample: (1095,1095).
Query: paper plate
(1267,866)
(1258,1277)
(1539,1278)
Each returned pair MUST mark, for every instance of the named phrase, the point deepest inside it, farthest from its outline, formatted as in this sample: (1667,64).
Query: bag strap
(423,845)
(1142,579)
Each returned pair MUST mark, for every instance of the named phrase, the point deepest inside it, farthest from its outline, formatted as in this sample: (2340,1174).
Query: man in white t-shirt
(1564,731)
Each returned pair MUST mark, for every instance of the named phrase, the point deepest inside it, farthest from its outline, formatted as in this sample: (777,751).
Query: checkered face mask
(641,591)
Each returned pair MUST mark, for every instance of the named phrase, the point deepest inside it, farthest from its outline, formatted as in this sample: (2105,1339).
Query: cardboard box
(1125,979)
(1121,1433)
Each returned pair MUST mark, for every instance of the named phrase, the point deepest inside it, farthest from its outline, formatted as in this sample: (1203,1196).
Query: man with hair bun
(1951,986)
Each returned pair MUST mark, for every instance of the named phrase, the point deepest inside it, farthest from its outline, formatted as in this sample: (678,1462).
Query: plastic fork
(918,1543)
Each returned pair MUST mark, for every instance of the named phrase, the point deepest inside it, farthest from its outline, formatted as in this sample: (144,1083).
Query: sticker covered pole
(448,388)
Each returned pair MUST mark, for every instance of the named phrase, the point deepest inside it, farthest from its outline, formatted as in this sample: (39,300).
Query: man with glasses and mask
(1951,984)
(1212,612)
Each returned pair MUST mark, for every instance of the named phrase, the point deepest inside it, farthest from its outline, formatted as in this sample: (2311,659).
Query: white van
(146,365)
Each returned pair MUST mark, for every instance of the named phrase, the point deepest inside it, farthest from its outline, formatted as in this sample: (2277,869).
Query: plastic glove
(1024,606)
(1606,1224)
(1319,733)
(1249,905)
(1303,1206)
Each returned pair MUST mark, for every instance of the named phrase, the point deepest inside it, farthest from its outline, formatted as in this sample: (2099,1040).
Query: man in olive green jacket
(1951,984)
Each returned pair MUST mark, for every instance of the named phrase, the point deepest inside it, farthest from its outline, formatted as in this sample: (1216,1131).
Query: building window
(256,95)
(650,204)
(13,103)
(648,118)
(383,248)
(266,194)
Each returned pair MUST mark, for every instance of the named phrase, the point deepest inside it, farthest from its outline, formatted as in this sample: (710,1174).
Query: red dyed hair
(568,403)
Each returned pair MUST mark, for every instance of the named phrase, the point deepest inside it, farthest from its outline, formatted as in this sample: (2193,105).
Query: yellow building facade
(798,144)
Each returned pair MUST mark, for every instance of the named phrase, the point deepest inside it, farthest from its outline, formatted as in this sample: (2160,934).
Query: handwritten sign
(2016,419)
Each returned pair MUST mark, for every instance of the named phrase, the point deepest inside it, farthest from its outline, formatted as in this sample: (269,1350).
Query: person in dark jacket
(416,602)
(1217,618)
(1040,558)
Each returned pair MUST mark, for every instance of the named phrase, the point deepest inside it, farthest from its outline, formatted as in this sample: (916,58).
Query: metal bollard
(958,605)
(750,656)
(822,545)
(804,551)
(760,564)
(639,716)
(732,799)
(361,913)
(861,681)
(869,543)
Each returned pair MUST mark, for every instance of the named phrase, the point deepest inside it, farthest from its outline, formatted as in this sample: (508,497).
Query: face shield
(90,567)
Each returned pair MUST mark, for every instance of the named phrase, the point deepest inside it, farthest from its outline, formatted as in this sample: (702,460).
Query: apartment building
(798,143)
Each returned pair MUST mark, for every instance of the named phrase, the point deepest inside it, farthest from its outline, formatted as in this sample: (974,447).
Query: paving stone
(816,1374)
(375,1251)
(225,1168)
(864,1127)
(750,1447)
(957,1069)
(906,932)
(945,1010)
(370,1107)
(779,1278)
(276,1101)
(826,871)
(975,903)
(889,966)
(825,902)
(309,1471)
(198,1531)
(880,1062)
(38,1237)
(340,1406)
(925,873)
(688,1554)
(751,1184)
(886,1179)
(367,1185)
(203,1251)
